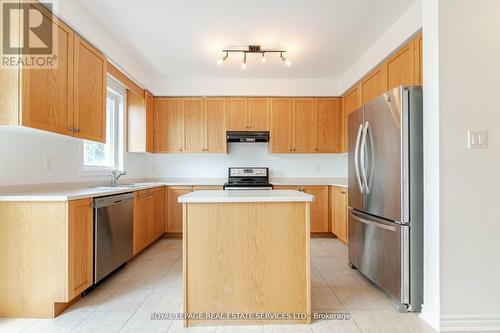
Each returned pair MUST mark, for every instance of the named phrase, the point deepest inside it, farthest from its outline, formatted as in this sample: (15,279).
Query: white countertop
(245,196)
(66,192)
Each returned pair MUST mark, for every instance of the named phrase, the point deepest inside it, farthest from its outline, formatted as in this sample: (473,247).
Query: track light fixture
(252,49)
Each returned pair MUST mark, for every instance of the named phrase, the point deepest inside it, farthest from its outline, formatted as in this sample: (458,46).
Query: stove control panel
(248,172)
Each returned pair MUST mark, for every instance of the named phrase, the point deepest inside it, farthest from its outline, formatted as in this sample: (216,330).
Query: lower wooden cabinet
(80,246)
(148,217)
(338,215)
(173,224)
(319,207)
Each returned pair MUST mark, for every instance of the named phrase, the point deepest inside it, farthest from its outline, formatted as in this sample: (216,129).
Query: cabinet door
(80,246)
(136,123)
(47,94)
(150,106)
(168,125)
(352,100)
(194,129)
(401,67)
(237,114)
(286,187)
(158,213)
(418,59)
(89,92)
(281,125)
(142,233)
(207,187)
(174,208)
(340,213)
(319,207)
(330,126)
(215,125)
(305,124)
(258,114)
(375,84)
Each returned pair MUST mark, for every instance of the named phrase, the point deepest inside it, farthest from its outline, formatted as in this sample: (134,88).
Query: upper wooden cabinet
(215,125)
(168,125)
(248,114)
(306,125)
(401,67)
(191,125)
(150,107)
(136,123)
(330,126)
(68,100)
(90,87)
(375,84)
(281,131)
(194,124)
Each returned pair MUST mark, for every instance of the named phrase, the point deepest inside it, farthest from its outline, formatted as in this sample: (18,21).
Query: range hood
(247,137)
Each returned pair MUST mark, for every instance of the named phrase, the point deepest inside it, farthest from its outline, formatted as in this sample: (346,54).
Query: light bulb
(220,62)
(288,62)
(243,65)
(263,59)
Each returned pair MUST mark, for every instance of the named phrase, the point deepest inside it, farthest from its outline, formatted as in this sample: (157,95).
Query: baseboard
(488,322)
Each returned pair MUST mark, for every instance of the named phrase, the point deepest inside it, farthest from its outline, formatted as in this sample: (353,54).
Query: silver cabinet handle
(356,159)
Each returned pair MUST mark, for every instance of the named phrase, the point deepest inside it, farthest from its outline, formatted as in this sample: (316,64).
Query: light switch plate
(477,139)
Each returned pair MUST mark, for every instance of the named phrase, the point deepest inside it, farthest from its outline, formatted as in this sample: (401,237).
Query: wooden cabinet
(168,125)
(305,125)
(158,215)
(330,133)
(258,114)
(80,246)
(194,128)
(401,67)
(174,208)
(281,140)
(150,107)
(149,212)
(215,125)
(237,114)
(248,114)
(338,213)
(319,207)
(190,125)
(90,89)
(136,123)
(375,84)
(69,99)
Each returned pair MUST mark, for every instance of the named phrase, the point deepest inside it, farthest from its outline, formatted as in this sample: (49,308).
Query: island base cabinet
(46,248)
(246,258)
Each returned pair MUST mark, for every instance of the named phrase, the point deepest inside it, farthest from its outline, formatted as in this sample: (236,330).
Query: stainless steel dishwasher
(113,233)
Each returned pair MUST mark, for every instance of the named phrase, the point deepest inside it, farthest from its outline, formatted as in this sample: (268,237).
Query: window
(100,157)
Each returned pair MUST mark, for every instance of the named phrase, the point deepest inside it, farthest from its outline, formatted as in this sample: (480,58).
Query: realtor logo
(28,35)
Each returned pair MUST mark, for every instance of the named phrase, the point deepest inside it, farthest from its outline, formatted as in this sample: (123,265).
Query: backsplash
(246,154)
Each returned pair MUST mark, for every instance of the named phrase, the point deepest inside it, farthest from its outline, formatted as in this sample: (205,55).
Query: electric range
(248,179)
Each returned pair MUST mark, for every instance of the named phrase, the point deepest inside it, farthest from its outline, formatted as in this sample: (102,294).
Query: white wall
(469,68)
(246,87)
(431,307)
(403,29)
(24,151)
(241,154)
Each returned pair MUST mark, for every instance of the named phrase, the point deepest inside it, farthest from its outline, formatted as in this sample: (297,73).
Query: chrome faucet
(115,175)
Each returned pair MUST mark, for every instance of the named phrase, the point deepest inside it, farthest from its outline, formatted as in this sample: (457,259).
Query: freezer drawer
(375,250)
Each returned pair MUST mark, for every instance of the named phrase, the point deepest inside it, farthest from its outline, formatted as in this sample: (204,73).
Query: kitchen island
(246,257)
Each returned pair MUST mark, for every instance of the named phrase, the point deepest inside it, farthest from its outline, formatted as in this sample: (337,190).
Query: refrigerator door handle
(376,224)
(356,159)
(363,157)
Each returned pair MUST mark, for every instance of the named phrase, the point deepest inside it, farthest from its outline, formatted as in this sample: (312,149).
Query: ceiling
(183,39)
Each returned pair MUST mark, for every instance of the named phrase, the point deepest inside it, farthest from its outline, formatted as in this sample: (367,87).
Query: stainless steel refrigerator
(386,194)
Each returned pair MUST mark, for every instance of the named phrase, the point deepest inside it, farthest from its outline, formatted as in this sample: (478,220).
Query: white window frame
(119,94)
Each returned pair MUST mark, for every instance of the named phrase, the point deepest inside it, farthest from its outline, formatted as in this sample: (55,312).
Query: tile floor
(152,282)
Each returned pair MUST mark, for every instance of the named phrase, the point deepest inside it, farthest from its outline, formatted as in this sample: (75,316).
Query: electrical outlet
(477,139)
(47,163)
